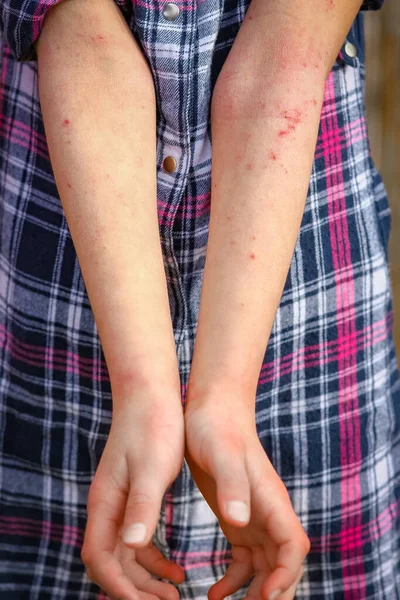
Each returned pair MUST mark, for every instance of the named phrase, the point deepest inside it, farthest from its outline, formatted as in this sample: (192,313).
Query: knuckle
(139,498)
(238,480)
(98,501)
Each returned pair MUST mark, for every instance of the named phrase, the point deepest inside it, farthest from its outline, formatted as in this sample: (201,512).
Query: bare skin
(256,208)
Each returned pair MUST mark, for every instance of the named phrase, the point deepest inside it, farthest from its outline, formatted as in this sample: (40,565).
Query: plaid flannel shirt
(328,396)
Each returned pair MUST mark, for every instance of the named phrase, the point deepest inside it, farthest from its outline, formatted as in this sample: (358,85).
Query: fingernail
(275,595)
(237,510)
(135,533)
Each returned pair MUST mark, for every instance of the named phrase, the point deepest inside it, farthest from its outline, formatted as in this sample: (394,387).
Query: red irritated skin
(265,115)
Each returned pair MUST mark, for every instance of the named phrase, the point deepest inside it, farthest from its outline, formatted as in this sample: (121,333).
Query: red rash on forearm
(293,118)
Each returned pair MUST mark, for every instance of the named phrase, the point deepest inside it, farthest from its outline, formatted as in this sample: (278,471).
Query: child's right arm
(97,97)
(98,103)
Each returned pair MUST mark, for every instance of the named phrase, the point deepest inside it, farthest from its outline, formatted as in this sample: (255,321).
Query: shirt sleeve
(21,22)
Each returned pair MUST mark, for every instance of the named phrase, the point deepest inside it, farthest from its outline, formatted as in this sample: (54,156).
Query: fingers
(255,590)
(287,539)
(262,570)
(290,556)
(290,593)
(240,571)
(233,488)
(144,596)
(162,590)
(99,542)
(236,576)
(144,504)
(145,584)
(293,546)
(155,563)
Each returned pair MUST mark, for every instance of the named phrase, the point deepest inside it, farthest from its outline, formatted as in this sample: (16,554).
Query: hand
(142,456)
(229,464)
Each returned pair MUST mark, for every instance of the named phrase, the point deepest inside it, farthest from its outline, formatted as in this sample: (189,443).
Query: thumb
(143,508)
(233,488)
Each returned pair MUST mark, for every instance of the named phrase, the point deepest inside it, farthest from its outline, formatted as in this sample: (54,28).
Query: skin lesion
(97,39)
(283,132)
(288,119)
(292,118)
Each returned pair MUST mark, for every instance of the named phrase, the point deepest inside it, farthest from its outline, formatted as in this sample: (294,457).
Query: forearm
(98,105)
(265,117)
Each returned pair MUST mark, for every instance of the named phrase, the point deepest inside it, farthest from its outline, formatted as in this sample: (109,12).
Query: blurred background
(382,30)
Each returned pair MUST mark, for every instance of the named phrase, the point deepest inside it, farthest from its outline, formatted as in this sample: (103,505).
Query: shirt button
(169,164)
(350,50)
(170,11)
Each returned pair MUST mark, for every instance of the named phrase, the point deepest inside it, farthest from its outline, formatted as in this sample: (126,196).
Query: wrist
(151,386)
(225,393)
(220,372)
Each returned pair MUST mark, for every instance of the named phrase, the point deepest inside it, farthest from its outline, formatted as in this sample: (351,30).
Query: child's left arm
(265,116)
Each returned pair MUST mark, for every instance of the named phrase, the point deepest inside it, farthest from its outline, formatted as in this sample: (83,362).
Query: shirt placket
(167,32)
